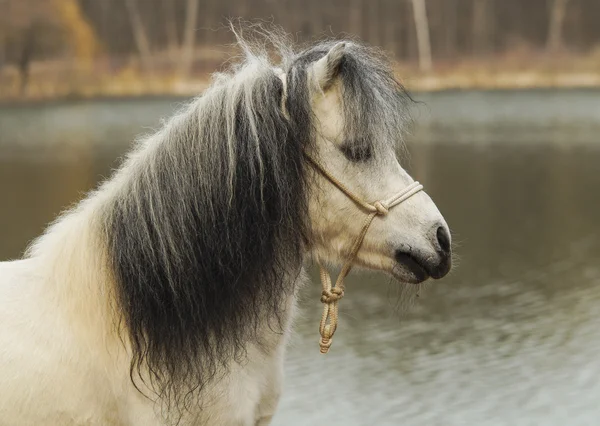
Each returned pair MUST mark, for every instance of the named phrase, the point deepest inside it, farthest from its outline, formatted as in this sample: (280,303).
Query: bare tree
(355,16)
(139,33)
(103,17)
(451,27)
(390,38)
(189,38)
(423,40)
(557,17)
(481,26)
(171,27)
(410,34)
(374,22)
(25,57)
(2,50)
(315,15)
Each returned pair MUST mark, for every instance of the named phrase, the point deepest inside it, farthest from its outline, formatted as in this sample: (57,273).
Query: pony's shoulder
(14,274)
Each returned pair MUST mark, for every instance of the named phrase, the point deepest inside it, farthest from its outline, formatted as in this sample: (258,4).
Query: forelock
(375,104)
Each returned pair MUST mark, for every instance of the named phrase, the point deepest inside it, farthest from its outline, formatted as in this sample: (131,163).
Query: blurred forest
(78,47)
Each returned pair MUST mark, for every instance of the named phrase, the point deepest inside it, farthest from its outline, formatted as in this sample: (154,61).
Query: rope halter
(331,295)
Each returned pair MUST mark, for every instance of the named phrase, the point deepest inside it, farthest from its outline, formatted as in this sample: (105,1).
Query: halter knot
(382,210)
(325,344)
(333,295)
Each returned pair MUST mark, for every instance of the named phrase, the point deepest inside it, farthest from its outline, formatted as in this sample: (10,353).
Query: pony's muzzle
(433,262)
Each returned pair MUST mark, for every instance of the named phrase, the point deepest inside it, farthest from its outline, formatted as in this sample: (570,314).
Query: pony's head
(359,112)
(208,221)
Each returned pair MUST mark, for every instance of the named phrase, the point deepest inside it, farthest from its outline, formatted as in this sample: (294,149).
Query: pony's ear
(326,69)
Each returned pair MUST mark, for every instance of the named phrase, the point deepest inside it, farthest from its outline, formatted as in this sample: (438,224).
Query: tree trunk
(139,34)
(557,18)
(25,57)
(315,16)
(105,24)
(451,27)
(210,19)
(355,17)
(2,50)
(422,29)
(243,11)
(390,27)
(374,23)
(189,38)
(171,28)
(410,43)
(481,25)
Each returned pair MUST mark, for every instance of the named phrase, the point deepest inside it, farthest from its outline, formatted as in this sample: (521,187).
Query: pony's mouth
(408,269)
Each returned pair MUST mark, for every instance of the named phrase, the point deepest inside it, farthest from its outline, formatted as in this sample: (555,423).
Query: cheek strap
(331,295)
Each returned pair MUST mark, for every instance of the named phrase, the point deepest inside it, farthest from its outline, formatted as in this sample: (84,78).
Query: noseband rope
(331,295)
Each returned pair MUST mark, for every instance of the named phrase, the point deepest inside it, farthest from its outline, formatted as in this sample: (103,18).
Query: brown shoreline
(107,88)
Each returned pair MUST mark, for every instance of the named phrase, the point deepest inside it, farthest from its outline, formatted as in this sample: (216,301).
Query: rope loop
(382,210)
(333,295)
(326,337)
(325,344)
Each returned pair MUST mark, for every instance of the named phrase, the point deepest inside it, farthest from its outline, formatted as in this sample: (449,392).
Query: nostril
(443,239)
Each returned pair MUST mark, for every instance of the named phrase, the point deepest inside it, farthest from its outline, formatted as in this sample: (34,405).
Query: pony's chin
(402,269)
(408,269)
(411,273)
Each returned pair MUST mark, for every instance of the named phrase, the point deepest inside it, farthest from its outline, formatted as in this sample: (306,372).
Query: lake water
(511,337)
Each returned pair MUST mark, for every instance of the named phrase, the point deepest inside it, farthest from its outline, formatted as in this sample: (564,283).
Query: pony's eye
(356,153)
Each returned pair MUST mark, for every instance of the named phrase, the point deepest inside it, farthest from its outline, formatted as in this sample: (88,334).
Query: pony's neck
(74,270)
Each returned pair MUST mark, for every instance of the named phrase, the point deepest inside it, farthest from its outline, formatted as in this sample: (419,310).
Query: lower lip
(408,277)
(411,271)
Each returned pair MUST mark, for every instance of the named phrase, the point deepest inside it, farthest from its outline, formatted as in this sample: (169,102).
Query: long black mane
(207,234)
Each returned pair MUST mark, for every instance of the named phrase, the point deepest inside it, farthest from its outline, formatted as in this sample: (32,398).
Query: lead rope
(331,295)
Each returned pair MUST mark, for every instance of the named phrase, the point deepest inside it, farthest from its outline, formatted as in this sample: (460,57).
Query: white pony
(167,295)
